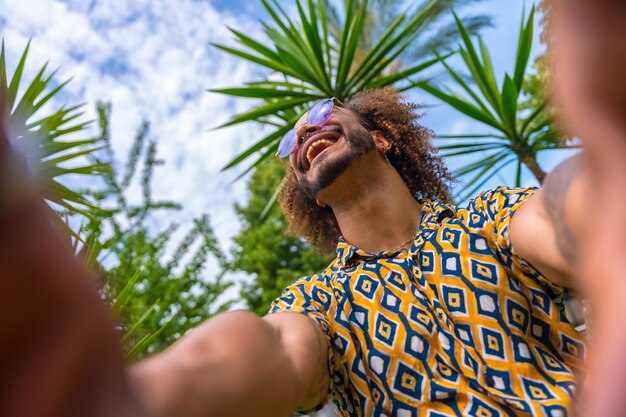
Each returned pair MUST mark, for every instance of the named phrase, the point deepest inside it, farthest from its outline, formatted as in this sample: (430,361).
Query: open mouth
(317,144)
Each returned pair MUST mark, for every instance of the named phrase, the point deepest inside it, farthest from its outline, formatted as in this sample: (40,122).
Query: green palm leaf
(521,131)
(325,52)
(42,137)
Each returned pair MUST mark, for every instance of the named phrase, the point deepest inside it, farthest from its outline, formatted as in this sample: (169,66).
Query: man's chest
(443,323)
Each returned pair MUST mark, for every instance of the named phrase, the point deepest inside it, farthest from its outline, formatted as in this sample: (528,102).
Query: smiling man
(427,310)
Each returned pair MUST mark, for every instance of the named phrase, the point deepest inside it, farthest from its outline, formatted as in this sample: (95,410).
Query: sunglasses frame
(291,134)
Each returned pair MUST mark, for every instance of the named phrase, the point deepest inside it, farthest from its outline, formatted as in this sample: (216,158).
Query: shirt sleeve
(499,206)
(312,297)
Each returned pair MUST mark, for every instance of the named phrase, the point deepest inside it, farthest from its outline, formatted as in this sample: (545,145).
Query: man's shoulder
(490,208)
(500,198)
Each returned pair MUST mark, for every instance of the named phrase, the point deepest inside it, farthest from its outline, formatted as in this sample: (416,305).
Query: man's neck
(375,211)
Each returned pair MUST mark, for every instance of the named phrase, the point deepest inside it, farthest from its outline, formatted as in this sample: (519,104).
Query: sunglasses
(318,115)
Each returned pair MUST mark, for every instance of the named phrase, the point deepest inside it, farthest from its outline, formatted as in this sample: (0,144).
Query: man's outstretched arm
(237,364)
(60,356)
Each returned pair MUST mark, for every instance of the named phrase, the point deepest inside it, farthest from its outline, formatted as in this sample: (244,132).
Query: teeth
(322,142)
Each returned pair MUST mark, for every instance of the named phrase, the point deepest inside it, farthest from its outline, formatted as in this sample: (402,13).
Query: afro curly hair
(411,154)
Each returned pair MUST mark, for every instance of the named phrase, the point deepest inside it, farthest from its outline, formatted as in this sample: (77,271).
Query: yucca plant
(42,136)
(440,33)
(307,63)
(521,129)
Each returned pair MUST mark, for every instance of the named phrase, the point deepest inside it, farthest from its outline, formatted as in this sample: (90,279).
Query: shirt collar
(433,213)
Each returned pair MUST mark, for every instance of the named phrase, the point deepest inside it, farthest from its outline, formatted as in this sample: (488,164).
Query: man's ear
(382,143)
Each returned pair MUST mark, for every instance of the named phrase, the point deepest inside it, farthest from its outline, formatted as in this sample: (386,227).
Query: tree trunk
(531,163)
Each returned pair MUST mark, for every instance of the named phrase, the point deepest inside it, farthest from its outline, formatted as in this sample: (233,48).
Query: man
(428,308)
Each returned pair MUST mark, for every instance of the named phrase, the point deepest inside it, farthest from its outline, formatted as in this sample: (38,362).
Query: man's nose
(304,131)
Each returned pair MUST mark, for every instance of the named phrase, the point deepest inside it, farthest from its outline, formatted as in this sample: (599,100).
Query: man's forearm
(232,365)
(60,356)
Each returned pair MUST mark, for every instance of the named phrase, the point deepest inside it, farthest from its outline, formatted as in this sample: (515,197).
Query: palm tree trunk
(531,163)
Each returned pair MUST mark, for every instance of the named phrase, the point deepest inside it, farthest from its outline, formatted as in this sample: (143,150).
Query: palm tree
(439,33)
(42,136)
(521,128)
(322,53)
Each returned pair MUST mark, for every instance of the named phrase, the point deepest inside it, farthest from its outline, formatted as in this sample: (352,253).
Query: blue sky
(152,60)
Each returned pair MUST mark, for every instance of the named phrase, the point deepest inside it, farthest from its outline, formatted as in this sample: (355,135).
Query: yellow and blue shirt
(458,325)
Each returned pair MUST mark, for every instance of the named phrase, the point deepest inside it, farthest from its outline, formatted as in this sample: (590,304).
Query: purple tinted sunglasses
(318,115)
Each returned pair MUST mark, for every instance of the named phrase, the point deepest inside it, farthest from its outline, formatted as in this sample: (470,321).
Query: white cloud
(152,60)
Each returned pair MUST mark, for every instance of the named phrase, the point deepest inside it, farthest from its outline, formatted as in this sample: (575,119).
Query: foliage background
(156,286)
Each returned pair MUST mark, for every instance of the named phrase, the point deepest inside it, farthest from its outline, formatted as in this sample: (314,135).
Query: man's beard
(359,143)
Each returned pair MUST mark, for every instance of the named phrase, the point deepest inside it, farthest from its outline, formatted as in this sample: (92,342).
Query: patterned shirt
(459,325)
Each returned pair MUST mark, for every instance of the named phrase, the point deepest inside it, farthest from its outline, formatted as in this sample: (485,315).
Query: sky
(153,60)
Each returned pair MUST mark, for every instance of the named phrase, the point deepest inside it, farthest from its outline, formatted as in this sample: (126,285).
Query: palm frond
(43,138)
(521,130)
(330,49)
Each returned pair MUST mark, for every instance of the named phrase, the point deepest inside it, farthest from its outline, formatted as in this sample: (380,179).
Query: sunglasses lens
(287,144)
(320,112)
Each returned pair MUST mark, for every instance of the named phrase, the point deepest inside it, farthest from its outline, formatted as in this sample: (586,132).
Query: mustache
(330,129)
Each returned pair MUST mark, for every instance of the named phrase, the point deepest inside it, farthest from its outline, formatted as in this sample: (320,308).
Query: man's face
(325,152)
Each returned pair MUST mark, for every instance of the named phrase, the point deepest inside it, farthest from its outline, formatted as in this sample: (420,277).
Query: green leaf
(393,78)
(481,178)
(377,52)
(461,105)
(53,161)
(488,72)
(476,67)
(463,84)
(479,164)
(264,110)
(523,50)
(270,204)
(17,76)
(143,343)
(265,93)
(400,42)
(349,45)
(274,15)
(274,65)
(255,46)
(272,137)
(126,292)
(469,151)
(472,145)
(325,41)
(271,150)
(509,106)
(313,44)
(533,116)
(470,136)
